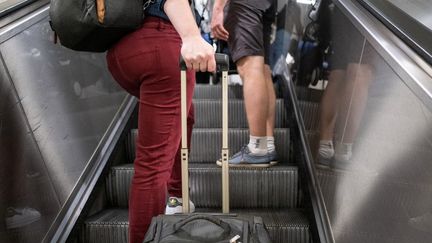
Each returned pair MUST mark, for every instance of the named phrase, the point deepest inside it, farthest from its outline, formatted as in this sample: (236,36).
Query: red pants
(146,64)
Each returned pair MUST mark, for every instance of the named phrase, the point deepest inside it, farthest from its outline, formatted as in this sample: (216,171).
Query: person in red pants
(146,64)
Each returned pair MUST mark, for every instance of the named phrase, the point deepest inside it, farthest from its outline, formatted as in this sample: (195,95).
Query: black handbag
(198,228)
(95,25)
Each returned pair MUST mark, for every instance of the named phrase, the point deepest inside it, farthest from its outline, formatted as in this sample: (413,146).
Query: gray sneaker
(273,157)
(244,158)
(20,217)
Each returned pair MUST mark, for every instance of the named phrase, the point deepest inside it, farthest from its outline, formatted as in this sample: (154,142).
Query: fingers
(211,65)
(198,54)
(202,63)
(219,32)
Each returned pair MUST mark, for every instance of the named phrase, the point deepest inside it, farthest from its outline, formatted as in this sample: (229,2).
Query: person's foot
(273,157)
(175,206)
(245,158)
(20,217)
(342,156)
(325,153)
(422,222)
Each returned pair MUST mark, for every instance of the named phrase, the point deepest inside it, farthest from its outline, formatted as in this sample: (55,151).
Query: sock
(270,144)
(258,145)
(344,148)
(326,149)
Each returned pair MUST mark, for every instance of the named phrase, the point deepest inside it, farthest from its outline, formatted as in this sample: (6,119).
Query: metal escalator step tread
(215,92)
(118,183)
(305,93)
(109,226)
(311,114)
(274,187)
(206,143)
(284,225)
(208,113)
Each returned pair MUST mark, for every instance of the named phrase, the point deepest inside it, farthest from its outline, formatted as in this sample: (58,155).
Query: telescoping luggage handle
(222,64)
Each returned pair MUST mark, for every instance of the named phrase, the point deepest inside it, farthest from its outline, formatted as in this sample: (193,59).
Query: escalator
(73,135)
(274,193)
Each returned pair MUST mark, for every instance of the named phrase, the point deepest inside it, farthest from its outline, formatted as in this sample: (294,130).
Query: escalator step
(284,225)
(215,92)
(311,114)
(275,187)
(305,93)
(206,143)
(208,113)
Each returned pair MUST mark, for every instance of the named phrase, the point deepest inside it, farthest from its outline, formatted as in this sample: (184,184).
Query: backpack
(94,25)
(315,47)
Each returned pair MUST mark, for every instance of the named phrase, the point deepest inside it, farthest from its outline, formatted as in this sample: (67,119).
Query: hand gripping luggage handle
(222,63)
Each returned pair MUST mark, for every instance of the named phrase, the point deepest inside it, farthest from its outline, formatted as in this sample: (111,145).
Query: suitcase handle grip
(225,226)
(222,62)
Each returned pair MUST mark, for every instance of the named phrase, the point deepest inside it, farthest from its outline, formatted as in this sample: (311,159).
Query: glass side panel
(370,136)
(56,106)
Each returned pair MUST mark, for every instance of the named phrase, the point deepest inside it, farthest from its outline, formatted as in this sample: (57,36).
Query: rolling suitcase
(200,227)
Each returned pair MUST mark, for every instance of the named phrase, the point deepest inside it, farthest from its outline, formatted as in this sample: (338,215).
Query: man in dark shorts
(247,29)
(344,100)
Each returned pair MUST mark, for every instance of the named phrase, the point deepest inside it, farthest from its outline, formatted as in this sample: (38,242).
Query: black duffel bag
(199,228)
(95,25)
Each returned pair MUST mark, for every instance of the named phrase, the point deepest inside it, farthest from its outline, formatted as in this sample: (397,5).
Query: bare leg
(251,70)
(352,108)
(271,102)
(329,104)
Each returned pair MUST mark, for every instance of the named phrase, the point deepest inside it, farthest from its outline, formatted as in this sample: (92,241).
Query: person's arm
(217,28)
(197,53)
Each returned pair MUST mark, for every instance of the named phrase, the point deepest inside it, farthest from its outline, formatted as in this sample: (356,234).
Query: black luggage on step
(199,227)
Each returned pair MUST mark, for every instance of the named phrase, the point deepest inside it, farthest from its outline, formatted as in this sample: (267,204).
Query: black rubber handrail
(412,32)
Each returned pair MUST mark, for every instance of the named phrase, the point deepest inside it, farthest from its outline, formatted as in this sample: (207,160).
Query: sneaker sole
(176,210)
(13,224)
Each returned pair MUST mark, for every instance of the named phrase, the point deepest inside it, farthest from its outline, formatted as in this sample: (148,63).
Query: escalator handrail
(411,31)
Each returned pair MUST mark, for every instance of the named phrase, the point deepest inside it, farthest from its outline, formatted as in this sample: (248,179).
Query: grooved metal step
(305,93)
(208,113)
(284,225)
(275,187)
(206,143)
(205,91)
(311,114)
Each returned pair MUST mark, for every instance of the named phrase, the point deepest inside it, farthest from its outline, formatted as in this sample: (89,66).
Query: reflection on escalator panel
(68,97)
(373,144)
(56,106)
(342,108)
(28,203)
